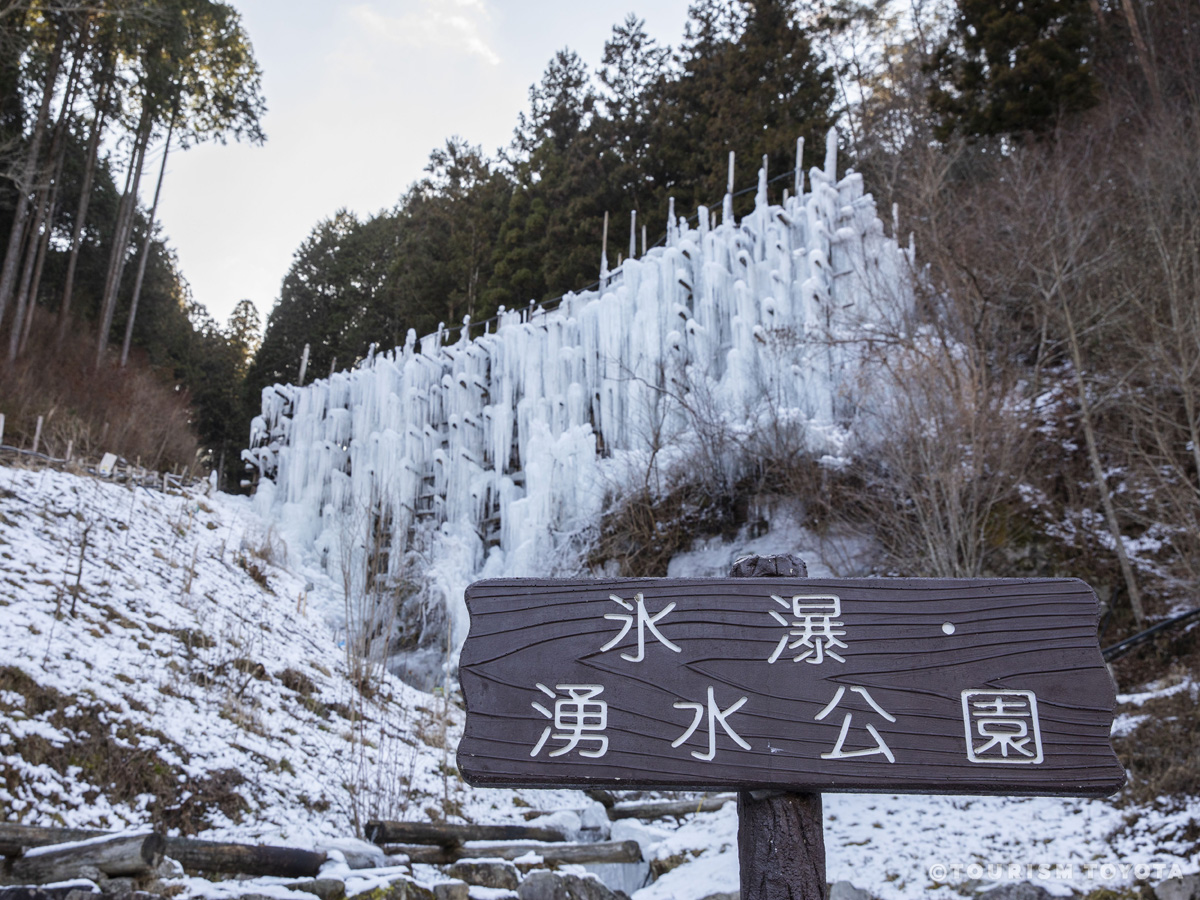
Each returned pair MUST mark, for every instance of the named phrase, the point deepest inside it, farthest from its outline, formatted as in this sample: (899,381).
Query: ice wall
(494,456)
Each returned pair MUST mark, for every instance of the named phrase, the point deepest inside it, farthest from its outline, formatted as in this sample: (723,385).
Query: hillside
(165,660)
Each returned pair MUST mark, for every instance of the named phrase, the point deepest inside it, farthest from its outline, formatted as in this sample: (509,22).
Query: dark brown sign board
(982,686)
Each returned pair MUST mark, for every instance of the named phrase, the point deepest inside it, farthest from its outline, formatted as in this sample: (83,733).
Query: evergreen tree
(1012,66)
(549,241)
(750,83)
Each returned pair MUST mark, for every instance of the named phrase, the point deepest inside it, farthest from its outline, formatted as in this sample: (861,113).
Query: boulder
(1185,887)
(844,890)
(498,874)
(543,885)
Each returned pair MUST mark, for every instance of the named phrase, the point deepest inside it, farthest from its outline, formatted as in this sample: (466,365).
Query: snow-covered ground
(174,632)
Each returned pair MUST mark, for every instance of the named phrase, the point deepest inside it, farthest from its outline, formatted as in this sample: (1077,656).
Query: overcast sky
(358,94)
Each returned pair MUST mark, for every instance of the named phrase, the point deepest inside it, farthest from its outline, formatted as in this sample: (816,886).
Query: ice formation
(490,456)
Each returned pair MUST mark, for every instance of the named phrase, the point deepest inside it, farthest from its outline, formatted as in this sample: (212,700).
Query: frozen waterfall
(491,456)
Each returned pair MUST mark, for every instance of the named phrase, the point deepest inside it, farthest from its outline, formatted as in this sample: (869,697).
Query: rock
(1017,890)
(498,874)
(400,889)
(120,887)
(325,888)
(543,885)
(844,890)
(1186,887)
(451,890)
(724,895)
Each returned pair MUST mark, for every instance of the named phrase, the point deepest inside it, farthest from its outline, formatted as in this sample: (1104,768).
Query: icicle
(727,206)
(831,141)
(799,167)
(604,255)
(760,197)
(643,240)
(672,225)
(303,366)
(633,234)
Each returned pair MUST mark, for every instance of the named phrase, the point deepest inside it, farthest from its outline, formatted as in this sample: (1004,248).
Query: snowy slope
(188,655)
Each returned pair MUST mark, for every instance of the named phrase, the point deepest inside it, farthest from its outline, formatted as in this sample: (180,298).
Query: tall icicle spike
(799,167)
(831,141)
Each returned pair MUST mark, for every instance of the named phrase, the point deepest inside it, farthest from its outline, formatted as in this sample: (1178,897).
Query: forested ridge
(100,334)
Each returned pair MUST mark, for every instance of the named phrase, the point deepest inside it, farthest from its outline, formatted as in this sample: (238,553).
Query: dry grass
(1162,754)
(134,412)
(110,756)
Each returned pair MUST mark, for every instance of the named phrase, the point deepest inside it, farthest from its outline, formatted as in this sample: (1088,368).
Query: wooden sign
(991,686)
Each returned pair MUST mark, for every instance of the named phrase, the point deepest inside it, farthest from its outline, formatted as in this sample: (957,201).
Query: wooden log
(207,856)
(114,855)
(244,859)
(38,836)
(661,809)
(556,853)
(781,838)
(450,835)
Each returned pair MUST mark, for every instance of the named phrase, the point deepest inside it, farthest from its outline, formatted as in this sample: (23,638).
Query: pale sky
(358,94)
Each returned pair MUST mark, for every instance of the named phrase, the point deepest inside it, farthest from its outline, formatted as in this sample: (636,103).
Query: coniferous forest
(1044,154)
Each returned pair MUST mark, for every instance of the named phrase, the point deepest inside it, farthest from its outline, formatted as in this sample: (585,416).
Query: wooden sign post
(792,685)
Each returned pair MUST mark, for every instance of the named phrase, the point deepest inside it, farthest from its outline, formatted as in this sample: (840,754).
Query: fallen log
(447,835)
(207,856)
(24,836)
(661,809)
(244,859)
(114,855)
(557,853)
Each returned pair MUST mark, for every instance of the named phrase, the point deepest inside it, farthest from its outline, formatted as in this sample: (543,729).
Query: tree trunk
(1143,53)
(1110,510)
(141,272)
(39,238)
(85,198)
(8,272)
(116,261)
(32,243)
(781,838)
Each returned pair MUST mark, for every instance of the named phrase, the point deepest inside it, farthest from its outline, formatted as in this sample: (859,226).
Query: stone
(543,885)
(1185,887)
(400,889)
(451,890)
(844,890)
(498,874)
(325,888)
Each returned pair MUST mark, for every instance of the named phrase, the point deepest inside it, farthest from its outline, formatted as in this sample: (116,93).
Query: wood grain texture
(1034,635)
